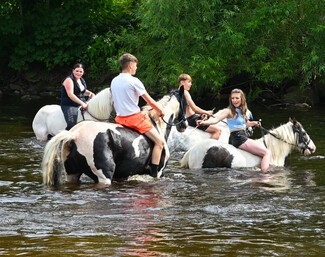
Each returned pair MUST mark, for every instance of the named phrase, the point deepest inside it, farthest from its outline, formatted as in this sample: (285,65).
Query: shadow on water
(218,212)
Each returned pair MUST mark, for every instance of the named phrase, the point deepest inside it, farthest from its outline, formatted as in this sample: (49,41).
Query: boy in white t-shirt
(126,91)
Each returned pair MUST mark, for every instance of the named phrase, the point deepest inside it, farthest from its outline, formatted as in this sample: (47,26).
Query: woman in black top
(73,94)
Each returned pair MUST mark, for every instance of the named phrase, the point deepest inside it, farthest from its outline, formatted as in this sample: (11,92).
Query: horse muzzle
(308,151)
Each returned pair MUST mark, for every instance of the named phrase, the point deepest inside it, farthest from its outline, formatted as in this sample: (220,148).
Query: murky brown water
(218,212)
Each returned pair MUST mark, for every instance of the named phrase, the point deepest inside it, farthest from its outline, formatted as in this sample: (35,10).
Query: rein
(274,135)
(277,137)
(174,124)
(181,108)
(82,111)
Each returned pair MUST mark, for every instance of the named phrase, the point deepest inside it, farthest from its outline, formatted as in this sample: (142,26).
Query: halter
(283,140)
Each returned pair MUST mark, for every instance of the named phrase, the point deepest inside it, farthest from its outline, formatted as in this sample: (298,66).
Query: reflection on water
(218,212)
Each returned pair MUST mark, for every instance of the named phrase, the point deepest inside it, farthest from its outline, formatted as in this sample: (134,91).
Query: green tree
(38,34)
(49,33)
(270,42)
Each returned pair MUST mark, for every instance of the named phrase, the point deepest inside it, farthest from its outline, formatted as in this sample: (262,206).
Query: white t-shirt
(126,91)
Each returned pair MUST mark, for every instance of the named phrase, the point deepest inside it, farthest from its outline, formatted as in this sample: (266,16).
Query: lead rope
(82,110)
(262,131)
(274,135)
(188,135)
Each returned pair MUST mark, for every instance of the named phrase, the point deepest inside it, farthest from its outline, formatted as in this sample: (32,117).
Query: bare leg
(254,147)
(214,131)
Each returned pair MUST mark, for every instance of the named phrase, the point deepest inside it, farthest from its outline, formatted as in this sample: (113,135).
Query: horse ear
(293,120)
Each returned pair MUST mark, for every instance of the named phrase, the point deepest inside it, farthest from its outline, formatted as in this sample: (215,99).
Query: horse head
(303,141)
(174,108)
(181,117)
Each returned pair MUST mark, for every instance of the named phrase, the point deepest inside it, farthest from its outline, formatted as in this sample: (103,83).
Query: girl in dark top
(73,94)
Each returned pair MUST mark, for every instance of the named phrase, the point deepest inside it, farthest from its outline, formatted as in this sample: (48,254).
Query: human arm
(193,106)
(253,123)
(68,85)
(215,118)
(89,94)
(150,101)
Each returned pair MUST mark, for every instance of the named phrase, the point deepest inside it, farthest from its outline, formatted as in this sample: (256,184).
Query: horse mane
(165,103)
(101,104)
(281,147)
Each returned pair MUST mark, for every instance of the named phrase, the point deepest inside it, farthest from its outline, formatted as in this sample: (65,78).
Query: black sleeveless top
(65,99)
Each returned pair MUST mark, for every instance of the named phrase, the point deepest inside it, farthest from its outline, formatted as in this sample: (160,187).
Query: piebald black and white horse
(281,141)
(105,151)
(49,120)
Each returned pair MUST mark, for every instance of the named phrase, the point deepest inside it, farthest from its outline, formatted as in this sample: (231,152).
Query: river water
(220,212)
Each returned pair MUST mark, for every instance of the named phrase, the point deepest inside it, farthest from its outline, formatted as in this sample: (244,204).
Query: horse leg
(162,164)
(104,164)
(76,164)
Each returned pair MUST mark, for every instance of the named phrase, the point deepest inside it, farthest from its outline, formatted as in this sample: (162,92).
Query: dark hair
(77,65)
(126,58)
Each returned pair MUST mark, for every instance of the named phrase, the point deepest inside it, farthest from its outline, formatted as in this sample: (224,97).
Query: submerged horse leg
(104,164)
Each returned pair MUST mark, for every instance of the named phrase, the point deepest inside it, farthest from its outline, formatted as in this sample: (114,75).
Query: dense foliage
(54,33)
(266,43)
(269,42)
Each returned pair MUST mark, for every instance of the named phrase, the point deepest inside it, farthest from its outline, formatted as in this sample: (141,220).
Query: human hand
(209,113)
(84,106)
(162,113)
(256,123)
(200,122)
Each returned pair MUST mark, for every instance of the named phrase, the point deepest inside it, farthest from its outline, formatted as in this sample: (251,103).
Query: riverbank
(286,96)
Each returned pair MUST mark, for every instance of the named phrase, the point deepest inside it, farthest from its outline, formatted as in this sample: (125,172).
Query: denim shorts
(70,115)
(237,138)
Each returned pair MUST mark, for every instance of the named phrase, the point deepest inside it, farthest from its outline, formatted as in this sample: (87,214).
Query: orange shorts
(136,121)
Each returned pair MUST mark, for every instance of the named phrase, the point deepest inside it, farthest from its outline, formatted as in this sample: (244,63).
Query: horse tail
(53,158)
(185,159)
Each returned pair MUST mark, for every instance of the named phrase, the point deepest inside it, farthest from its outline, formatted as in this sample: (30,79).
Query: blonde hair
(184,77)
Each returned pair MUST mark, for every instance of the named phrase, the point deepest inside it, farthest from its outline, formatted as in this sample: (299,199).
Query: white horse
(191,136)
(281,141)
(49,120)
(185,140)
